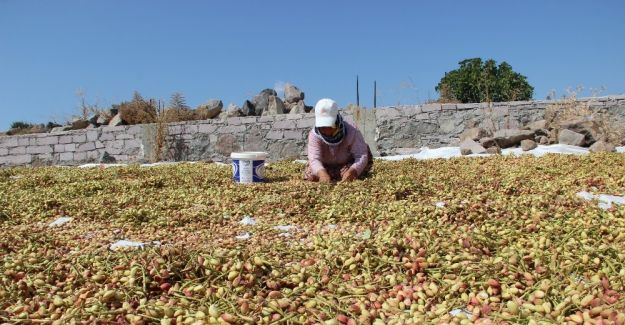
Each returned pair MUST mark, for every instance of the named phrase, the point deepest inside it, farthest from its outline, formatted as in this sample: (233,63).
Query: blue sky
(230,50)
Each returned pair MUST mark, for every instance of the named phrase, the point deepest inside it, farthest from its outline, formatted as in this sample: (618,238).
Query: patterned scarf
(338,136)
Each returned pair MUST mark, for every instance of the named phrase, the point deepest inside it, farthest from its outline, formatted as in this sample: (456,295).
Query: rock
(571,138)
(269,92)
(506,138)
(494,150)
(248,109)
(106,158)
(552,137)
(469,146)
(487,142)
(103,120)
(261,101)
(602,146)
(116,120)
(61,129)
(583,125)
(275,107)
(292,94)
(528,145)
(78,124)
(536,125)
(474,134)
(298,108)
(233,111)
(541,139)
(308,109)
(93,118)
(210,110)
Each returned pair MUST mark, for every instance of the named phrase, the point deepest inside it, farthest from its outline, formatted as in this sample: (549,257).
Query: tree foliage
(477,81)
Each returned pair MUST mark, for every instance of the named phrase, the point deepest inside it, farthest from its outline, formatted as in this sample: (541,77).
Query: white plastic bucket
(248,167)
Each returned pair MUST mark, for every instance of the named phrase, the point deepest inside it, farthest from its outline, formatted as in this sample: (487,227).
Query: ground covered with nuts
(488,240)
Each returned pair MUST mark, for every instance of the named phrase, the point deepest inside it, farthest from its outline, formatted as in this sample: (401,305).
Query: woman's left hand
(349,175)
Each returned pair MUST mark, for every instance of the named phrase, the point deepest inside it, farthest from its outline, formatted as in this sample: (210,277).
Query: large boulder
(602,146)
(469,146)
(103,119)
(474,134)
(233,111)
(571,138)
(587,126)
(541,139)
(275,107)
(261,101)
(93,118)
(78,124)
(528,145)
(210,109)
(292,94)
(248,109)
(61,129)
(506,138)
(536,125)
(298,108)
(116,120)
(488,142)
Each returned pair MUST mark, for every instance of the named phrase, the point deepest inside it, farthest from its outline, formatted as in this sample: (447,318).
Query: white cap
(326,111)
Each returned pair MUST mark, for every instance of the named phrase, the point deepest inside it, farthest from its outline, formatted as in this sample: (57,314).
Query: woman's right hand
(324,177)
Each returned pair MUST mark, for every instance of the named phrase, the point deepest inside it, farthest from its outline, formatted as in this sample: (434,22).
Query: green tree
(477,81)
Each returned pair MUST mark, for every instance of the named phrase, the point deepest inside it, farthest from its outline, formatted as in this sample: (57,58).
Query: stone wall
(406,128)
(388,130)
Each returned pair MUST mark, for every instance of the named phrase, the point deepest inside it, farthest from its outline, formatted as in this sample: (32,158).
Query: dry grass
(160,137)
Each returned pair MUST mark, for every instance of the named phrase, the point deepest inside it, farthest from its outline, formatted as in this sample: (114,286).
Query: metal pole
(357,93)
(375,94)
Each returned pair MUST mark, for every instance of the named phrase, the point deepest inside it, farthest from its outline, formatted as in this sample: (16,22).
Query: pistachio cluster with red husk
(480,240)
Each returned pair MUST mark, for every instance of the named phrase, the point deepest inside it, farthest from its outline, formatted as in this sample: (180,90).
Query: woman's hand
(324,177)
(349,175)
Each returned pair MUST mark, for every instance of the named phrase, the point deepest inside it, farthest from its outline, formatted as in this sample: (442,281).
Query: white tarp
(101,165)
(60,221)
(451,152)
(131,244)
(244,236)
(605,200)
(248,221)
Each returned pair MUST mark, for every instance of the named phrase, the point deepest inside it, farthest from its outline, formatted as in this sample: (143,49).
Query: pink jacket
(351,148)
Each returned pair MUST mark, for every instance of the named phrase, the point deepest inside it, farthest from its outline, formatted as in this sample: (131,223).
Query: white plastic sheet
(120,244)
(60,221)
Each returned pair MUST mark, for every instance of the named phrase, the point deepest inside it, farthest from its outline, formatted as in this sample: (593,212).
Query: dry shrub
(171,115)
(138,111)
(160,137)
(33,128)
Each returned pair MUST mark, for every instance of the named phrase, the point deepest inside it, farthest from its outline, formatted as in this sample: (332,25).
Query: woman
(336,149)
